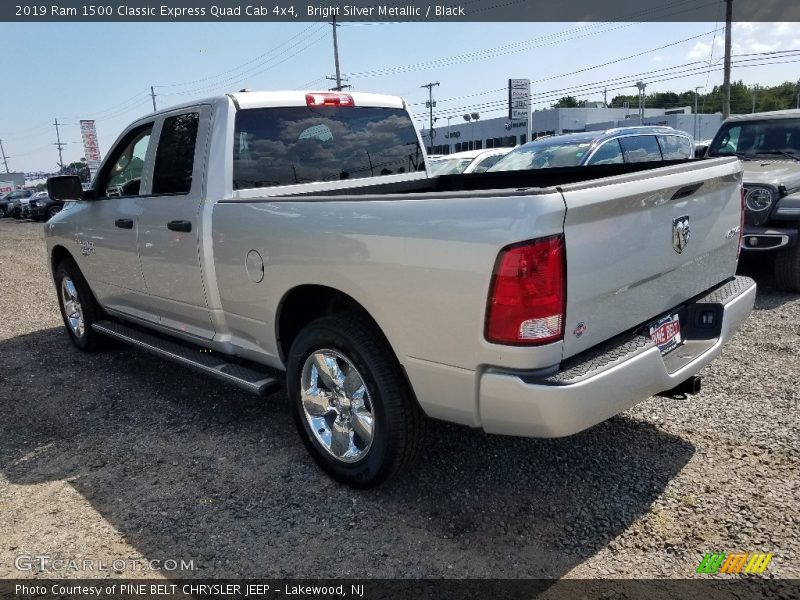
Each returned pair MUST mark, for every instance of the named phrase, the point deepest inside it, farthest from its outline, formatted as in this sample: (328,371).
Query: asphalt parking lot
(121,456)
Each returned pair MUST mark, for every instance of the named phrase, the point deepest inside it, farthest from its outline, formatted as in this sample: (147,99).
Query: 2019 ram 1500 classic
(301,233)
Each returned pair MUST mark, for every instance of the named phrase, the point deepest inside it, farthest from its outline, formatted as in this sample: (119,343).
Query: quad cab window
(172,173)
(123,175)
(303,144)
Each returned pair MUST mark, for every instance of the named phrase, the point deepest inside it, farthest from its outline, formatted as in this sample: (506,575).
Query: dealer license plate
(666,333)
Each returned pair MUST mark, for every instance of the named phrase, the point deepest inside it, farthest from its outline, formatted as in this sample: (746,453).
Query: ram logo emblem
(680,233)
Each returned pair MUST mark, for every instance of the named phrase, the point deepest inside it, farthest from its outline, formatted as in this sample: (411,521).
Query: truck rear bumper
(609,379)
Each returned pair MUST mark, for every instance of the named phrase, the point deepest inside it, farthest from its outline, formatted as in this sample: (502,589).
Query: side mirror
(65,187)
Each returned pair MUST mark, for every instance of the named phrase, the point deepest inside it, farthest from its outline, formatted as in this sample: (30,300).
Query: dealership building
(460,135)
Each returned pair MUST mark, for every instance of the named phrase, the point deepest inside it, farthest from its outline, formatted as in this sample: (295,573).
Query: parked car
(613,146)
(11,203)
(43,207)
(470,161)
(290,237)
(769,146)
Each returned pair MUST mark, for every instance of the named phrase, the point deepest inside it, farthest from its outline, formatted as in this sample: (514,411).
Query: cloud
(659,58)
(750,38)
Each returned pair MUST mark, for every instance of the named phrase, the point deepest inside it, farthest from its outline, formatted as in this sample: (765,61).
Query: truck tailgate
(627,261)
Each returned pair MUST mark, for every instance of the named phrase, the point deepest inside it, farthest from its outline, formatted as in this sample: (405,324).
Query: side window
(640,148)
(123,176)
(172,173)
(487,162)
(609,153)
(675,147)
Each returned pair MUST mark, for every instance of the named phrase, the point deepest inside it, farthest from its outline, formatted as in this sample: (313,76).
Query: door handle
(124,223)
(180,225)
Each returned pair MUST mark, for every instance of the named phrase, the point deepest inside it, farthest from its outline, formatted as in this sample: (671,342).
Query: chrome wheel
(336,405)
(72,307)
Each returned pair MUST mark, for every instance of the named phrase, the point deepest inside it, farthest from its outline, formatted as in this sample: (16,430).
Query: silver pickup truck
(257,234)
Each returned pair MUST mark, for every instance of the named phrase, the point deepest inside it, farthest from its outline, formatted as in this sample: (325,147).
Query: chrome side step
(214,364)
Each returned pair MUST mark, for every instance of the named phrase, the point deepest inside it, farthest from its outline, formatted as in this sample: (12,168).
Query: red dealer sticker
(666,333)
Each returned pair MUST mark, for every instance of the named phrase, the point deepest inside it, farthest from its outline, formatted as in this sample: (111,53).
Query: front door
(105,237)
(170,224)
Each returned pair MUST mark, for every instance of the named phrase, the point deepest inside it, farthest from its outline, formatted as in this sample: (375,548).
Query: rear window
(301,144)
(757,137)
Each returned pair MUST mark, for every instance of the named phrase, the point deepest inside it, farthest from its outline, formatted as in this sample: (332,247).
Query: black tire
(787,269)
(89,340)
(53,211)
(399,423)
(3,212)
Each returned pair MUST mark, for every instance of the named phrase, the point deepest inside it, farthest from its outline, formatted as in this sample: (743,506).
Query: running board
(210,363)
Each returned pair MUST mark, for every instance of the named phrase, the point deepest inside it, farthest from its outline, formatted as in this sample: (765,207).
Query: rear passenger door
(170,224)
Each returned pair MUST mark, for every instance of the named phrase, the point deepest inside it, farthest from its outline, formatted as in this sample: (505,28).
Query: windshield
(550,152)
(751,138)
(299,144)
(449,166)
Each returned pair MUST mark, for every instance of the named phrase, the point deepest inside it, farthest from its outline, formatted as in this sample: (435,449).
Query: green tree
(568,102)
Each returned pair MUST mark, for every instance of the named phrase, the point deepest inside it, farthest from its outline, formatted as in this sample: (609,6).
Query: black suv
(11,202)
(43,207)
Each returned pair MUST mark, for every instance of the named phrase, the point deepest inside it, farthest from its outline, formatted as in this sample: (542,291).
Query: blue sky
(103,71)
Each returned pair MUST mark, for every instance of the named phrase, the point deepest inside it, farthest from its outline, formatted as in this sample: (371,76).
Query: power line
(561,75)
(240,77)
(228,72)
(501,105)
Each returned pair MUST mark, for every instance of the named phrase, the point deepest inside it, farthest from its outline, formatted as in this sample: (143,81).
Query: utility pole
(605,97)
(755,89)
(153,96)
(430,104)
(339,87)
(726,103)
(5,160)
(59,145)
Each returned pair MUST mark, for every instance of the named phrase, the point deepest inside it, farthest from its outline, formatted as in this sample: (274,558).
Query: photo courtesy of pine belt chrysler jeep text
(301,233)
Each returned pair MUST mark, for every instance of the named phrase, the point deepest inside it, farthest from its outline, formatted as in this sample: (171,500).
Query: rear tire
(52,212)
(355,412)
(787,269)
(78,307)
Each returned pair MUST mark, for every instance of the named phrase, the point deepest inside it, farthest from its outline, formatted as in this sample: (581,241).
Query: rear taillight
(527,295)
(329,99)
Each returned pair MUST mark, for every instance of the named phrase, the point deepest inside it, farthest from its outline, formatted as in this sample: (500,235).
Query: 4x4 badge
(680,233)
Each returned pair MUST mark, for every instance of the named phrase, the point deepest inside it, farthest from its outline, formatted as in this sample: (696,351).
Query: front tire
(52,212)
(787,269)
(78,307)
(352,406)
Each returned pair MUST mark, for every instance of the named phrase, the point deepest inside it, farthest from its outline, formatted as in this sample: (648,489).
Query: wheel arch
(57,255)
(305,303)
